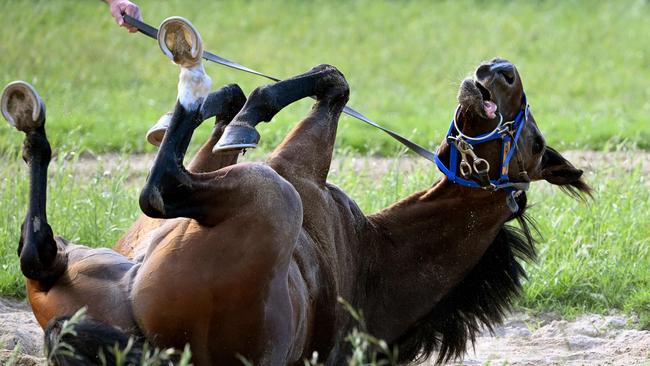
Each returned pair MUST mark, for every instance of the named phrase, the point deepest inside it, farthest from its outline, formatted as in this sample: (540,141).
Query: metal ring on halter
(38,111)
(465,169)
(478,162)
(483,137)
(168,36)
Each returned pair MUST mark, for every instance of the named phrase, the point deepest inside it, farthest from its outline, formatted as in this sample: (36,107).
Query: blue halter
(461,144)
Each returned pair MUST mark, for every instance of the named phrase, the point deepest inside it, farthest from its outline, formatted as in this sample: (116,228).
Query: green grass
(594,256)
(92,209)
(586,65)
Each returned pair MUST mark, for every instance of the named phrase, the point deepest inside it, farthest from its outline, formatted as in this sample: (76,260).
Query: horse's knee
(332,85)
(42,259)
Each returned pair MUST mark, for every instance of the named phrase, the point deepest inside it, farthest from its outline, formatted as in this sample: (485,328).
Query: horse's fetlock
(36,146)
(238,98)
(323,68)
(234,104)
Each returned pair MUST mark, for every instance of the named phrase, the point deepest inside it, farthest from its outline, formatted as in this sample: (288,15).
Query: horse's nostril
(505,69)
(483,72)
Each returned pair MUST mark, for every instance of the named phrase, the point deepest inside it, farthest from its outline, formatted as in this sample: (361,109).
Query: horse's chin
(475,98)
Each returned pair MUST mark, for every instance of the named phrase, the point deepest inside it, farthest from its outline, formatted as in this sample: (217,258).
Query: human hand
(119,7)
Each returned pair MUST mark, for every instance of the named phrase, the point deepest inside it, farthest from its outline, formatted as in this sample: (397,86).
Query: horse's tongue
(490,109)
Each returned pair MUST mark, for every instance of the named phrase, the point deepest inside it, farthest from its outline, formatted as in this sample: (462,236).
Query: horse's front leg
(61,277)
(306,153)
(42,259)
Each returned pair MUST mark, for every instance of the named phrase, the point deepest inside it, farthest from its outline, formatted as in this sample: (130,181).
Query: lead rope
(152,32)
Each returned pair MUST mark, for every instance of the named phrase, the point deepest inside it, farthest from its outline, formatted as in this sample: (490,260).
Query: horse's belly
(203,287)
(98,279)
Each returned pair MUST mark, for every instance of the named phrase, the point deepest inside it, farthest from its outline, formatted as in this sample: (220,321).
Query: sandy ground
(548,340)
(18,327)
(523,339)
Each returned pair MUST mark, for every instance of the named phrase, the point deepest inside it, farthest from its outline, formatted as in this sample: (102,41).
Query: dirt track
(590,161)
(522,340)
(548,340)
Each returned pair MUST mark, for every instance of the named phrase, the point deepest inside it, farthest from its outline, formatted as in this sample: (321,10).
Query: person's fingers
(125,7)
(134,11)
(138,14)
(130,9)
(117,14)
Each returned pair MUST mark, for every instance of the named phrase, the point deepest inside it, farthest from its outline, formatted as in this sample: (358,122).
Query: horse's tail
(84,341)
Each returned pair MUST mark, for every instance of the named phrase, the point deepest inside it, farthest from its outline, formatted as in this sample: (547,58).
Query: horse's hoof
(180,41)
(237,136)
(22,107)
(156,133)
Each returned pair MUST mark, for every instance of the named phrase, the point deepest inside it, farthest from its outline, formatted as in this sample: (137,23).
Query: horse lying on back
(249,259)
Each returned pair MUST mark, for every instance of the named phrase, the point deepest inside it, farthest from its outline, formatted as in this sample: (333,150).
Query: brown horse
(248,259)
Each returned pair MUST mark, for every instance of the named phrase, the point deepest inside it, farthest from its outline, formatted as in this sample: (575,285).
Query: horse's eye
(538,145)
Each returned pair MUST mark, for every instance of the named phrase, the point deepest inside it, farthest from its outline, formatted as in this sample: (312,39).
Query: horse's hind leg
(173,191)
(229,271)
(41,259)
(222,104)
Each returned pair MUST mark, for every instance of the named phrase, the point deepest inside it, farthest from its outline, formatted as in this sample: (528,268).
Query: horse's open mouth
(489,106)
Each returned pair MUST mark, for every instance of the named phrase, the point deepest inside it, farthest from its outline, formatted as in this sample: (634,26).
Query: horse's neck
(424,246)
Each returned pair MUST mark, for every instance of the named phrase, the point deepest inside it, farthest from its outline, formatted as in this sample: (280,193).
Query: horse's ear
(555,169)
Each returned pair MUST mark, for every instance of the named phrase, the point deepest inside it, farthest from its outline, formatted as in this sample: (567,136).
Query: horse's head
(494,99)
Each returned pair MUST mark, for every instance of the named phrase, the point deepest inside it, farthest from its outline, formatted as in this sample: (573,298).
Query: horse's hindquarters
(224,289)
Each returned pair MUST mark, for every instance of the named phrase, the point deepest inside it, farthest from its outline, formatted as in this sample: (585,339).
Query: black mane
(480,299)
